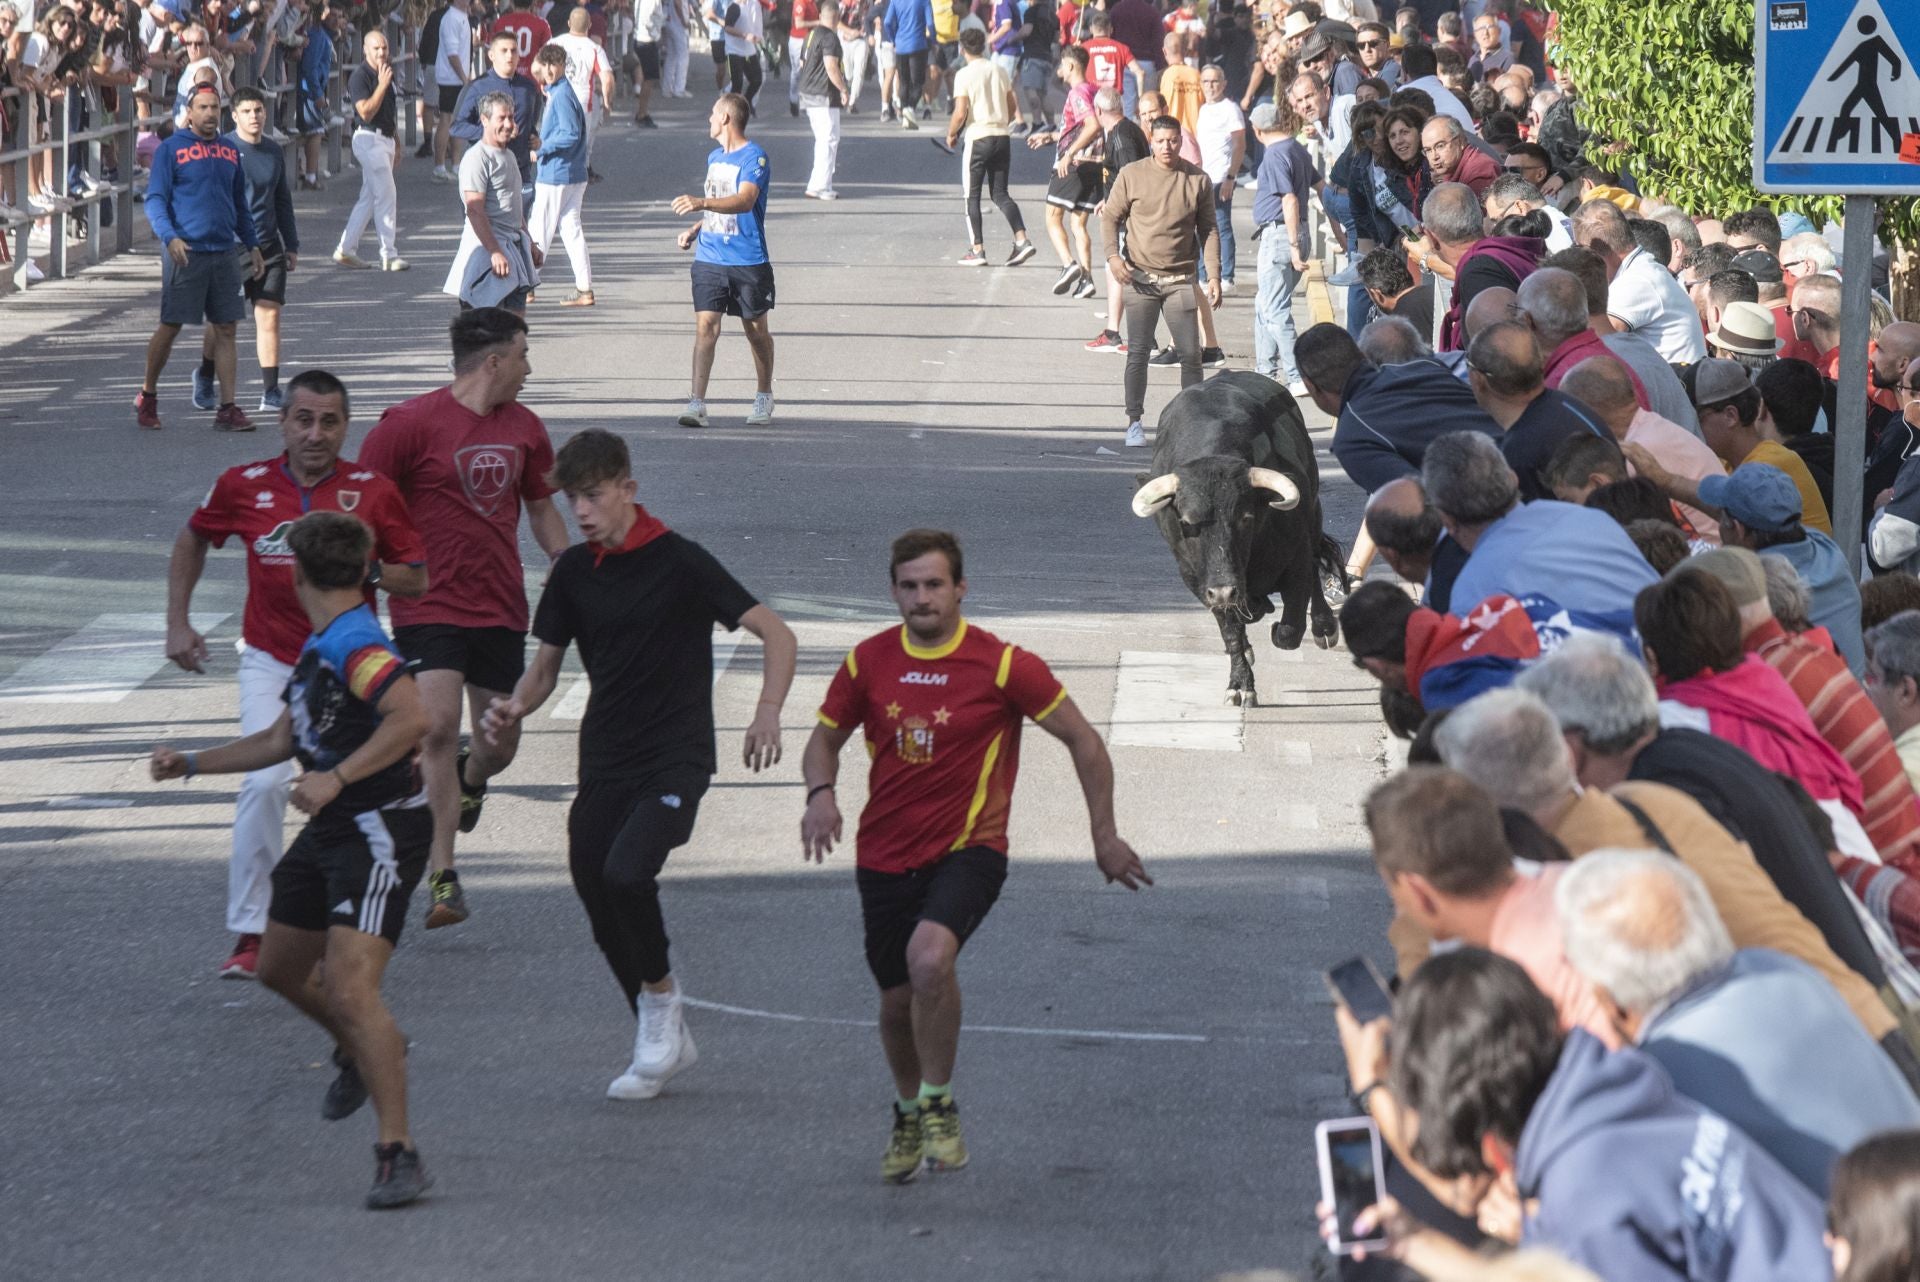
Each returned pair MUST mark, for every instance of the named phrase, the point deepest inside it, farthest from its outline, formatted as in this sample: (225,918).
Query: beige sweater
(1168,217)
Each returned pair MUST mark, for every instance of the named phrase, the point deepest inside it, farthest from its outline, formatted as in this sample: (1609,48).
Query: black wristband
(817,789)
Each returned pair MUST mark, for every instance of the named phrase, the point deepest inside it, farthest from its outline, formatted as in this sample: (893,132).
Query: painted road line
(573,704)
(103,662)
(785,1017)
(1173,701)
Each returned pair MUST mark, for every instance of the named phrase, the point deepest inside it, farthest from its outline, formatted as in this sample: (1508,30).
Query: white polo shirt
(1646,298)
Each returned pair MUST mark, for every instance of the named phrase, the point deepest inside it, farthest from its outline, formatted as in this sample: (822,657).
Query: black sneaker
(1069,276)
(398,1176)
(793,109)
(1213,358)
(1022,251)
(424,150)
(471,798)
(346,1093)
(1165,356)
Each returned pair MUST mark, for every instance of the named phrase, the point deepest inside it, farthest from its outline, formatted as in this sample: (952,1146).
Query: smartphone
(1356,985)
(1350,1179)
(1412,234)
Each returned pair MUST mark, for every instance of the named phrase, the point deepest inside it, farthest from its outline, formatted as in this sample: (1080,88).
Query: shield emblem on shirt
(349,500)
(487,474)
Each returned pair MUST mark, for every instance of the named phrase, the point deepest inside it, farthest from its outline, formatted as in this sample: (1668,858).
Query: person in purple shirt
(1137,25)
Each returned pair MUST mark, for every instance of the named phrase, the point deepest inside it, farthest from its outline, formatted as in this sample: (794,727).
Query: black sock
(269,377)
(206,367)
(448,876)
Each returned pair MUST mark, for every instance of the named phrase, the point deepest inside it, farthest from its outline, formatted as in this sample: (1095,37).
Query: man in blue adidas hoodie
(197,206)
(1610,1166)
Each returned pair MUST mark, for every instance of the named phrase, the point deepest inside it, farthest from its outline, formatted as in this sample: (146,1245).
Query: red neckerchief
(646,528)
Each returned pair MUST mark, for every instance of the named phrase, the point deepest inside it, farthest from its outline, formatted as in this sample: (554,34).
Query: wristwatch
(373,575)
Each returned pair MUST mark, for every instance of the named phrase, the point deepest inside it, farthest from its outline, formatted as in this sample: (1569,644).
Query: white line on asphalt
(787,1018)
(573,704)
(103,662)
(1173,701)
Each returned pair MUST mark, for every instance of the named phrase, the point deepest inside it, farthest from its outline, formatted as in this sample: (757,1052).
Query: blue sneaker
(204,396)
(273,400)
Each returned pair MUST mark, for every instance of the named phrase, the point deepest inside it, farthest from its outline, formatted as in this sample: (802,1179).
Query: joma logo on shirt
(924,679)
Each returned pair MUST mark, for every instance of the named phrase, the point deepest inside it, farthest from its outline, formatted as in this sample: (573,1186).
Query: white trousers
(826,147)
(674,52)
(379,199)
(854,55)
(557,207)
(259,815)
(796,49)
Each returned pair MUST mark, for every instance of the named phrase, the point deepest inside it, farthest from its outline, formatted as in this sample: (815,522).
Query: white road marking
(788,1018)
(88,803)
(573,704)
(1173,701)
(103,662)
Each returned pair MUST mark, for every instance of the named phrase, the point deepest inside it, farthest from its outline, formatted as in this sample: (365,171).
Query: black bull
(1236,491)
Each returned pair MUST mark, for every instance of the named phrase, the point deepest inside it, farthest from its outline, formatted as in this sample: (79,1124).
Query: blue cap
(1792,224)
(1758,495)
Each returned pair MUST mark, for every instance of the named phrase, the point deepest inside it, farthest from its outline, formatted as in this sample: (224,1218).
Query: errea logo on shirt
(924,679)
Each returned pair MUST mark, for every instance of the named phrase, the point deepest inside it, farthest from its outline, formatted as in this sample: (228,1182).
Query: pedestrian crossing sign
(1836,97)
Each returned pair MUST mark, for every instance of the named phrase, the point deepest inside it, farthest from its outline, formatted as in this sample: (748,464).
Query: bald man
(1506,372)
(1816,320)
(1606,387)
(1406,529)
(1490,307)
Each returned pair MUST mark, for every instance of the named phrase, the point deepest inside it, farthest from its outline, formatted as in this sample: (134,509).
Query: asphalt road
(1144,1106)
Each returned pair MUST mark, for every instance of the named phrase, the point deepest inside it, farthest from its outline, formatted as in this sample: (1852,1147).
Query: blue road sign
(1836,97)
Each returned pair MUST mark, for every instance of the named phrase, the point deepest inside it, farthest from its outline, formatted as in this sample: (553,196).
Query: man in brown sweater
(1160,213)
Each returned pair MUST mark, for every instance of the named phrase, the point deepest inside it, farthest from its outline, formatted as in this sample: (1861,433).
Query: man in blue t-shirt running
(731,272)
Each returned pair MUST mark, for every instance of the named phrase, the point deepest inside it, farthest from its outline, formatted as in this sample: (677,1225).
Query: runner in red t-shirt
(1109,62)
(468,458)
(942,704)
(258,503)
(530,30)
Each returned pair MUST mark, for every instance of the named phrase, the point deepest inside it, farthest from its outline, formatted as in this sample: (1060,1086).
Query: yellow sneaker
(905,1150)
(940,1125)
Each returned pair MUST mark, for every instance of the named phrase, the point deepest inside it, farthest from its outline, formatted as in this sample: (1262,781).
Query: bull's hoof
(1242,699)
(1287,637)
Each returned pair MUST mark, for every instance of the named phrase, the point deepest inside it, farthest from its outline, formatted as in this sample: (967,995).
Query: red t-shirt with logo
(1107,61)
(943,729)
(530,32)
(806,11)
(464,477)
(259,502)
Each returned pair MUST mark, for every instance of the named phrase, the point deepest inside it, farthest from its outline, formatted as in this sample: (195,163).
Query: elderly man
(1554,303)
(1504,367)
(1512,194)
(1577,556)
(1456,240)
(1644,297)
(496,264)
(1452,160)
(1666,394)
(1893,683)
(1642,930)
(1408,533)
(1384,416)
(1606,387)
(1510,743)
(1222,135)
(1393,341)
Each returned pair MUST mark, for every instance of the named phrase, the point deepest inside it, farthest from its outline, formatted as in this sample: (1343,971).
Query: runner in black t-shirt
(641,601)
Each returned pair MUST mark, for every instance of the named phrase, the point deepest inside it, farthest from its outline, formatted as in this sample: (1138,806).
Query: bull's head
(1212,512)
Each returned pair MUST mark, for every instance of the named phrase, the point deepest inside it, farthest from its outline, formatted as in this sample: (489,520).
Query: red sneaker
(245,961)
(146,411)
(1107,341)
(231,418)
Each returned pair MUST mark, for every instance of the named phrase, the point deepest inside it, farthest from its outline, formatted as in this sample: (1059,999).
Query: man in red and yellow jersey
(942,704)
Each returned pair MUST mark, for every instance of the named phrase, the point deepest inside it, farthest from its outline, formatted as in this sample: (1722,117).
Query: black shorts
(957,892)
(1081,188)
(649,52)
(946,54)
(356,871)
(312,117)
(491,658)
(449,97)
(746,292)
(208,289)
(270,286)
(719,52)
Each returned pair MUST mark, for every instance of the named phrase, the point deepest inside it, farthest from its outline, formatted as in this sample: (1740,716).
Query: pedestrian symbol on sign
(1863,100)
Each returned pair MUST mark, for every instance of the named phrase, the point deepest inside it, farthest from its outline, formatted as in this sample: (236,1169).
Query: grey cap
(1717,380)
(1264,118)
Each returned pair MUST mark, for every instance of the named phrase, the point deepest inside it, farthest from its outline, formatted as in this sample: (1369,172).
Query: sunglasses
(1370,44)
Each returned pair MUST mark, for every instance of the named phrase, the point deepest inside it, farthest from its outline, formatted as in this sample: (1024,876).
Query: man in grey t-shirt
(496,264)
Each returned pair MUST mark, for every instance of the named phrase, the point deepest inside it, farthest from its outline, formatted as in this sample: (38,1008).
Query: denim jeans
(1359,306)
(1222,223)
(1273,328)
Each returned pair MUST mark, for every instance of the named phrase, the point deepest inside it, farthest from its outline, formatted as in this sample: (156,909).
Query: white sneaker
(762,412)
(695,414)
(1136,435)
(1298,388)
(660,1034)
(442,174)
(636,1085)
(394,264)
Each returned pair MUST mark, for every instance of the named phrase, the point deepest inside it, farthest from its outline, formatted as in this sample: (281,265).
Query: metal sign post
(1837,110)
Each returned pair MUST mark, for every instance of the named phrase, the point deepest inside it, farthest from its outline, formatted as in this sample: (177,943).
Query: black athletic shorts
(210,288)
(946,54)
(746,292)
(649,51)
(356,871)
(1082,187)
(491,658)
(270,286)
(956,892)
(719,52)
(450,97)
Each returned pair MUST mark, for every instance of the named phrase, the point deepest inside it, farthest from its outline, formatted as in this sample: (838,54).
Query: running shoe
(637,1085)
(449,904)
(345,259)
(1136,435)
(1019,129)
(579,298)
(1168,355)
(346,1092)
(940,1125)
(1086,288)
(398,1177)
(1022,251)
(273,400)
(972,258)
(245,961)
(1108,340)
(1226,287)
(695,415)
(828,194)
(661,1030)
(1345,278)
(146,411)
(1212,358)
(1069,276)
(647,122)
(441,174)
(394,264)
(906,1148)
(907,121)
(205,395)
(424,150)
(471,798)
(231,418)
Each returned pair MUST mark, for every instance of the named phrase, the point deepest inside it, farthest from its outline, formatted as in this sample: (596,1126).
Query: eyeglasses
(1440,148)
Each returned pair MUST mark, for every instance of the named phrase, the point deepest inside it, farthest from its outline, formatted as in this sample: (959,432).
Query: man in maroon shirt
(468,458)
(258,503)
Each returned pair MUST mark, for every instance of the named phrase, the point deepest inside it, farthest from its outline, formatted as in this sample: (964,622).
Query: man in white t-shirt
(589,72)
(1222,136)
(452,68)
(1643,297)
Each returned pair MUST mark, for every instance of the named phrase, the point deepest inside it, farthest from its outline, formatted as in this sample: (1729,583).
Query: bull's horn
(1265,478)
(1156,494)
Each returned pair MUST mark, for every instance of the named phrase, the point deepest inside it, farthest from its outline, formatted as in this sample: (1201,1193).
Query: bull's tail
(1331,557)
